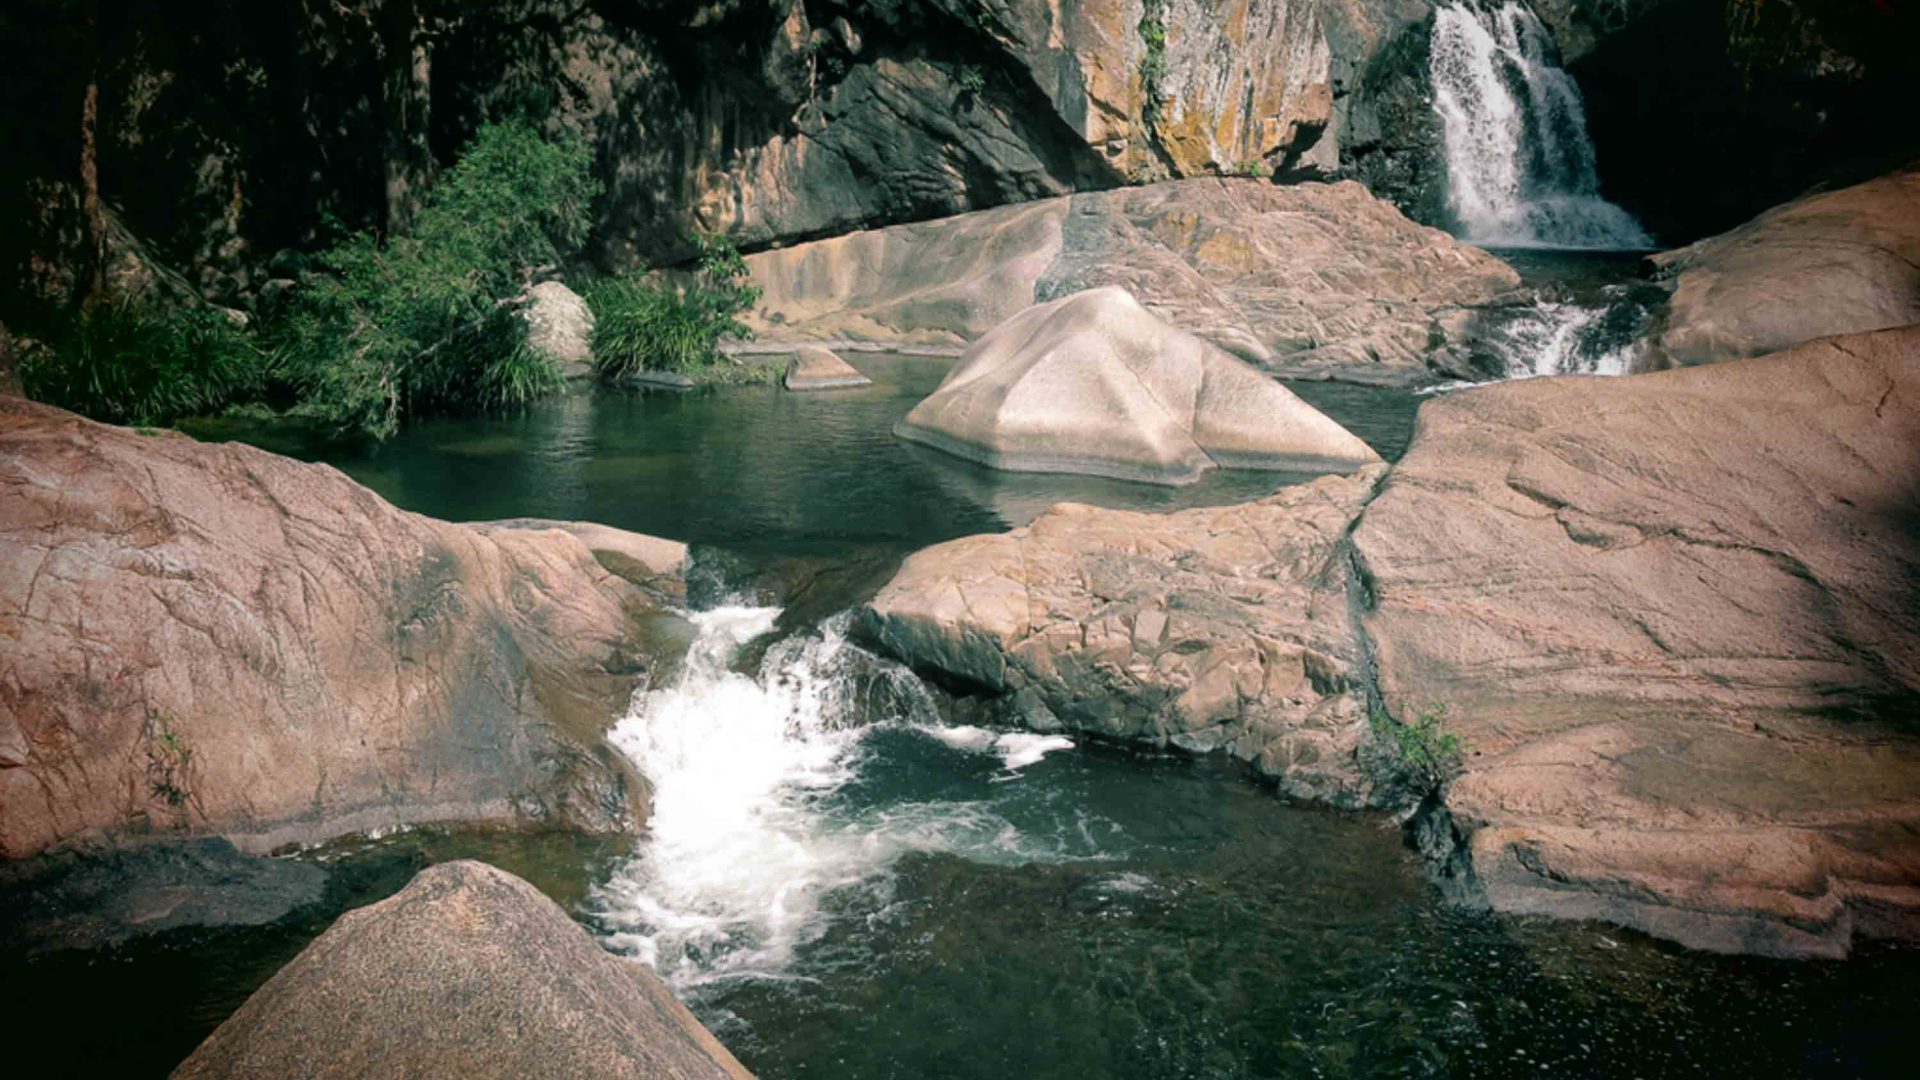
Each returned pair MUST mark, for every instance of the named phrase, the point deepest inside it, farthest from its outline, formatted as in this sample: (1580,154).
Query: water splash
(752,830)
(1551,338)
(1520,167)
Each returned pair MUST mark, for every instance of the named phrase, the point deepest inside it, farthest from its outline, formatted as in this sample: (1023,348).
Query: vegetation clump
(380,329)
(1424,755)
(1153,64)
(425,320)
(128,363)
(643,326)
(168,760)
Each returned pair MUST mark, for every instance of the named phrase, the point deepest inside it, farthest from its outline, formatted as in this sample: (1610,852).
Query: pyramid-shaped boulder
(1095,383)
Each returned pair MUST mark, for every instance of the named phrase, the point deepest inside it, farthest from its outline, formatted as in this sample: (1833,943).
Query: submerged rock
(560,326)
(468,972)
(814,368)
(1094,383)
(103,899)
(1676,619)
(1318,280)
(1836,262)
(1224,627)
(213,639)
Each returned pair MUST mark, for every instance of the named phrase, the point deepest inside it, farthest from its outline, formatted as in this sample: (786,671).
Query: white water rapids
(749,832)
(1520,168)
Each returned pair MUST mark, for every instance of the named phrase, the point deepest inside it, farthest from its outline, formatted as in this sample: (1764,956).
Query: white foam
(745,840)
(1017,749)
(960,736)
(1020,749)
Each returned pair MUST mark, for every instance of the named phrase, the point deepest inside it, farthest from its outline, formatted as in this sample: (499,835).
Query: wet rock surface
(469,971)
(1094,383)
(102,899)
(215,639)
(1310,280)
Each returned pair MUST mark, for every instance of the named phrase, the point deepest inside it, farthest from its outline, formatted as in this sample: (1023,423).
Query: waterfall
(1520,168)
(761,807)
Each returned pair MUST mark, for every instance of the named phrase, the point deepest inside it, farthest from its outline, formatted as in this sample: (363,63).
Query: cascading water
(1520,167)
(757,817)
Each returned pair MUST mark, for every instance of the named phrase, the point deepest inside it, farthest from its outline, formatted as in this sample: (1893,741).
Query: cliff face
(229,136)
(1705,112)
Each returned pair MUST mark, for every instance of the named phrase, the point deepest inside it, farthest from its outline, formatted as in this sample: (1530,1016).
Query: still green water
(1140,915)
(757,467)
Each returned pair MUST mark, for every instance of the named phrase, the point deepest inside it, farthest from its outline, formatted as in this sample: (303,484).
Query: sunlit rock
(207,638)
(1094,383)
(1314,280)
(1833,263)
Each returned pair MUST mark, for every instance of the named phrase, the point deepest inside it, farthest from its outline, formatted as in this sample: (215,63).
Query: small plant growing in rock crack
(1424,753)
(1153,65)
(168,760)
(972,82)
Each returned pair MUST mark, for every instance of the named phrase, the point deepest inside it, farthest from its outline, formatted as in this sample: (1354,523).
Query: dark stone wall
(1706,112)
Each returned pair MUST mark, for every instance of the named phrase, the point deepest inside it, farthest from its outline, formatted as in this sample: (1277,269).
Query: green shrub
(136,364)
(424,321)
(638,327)
(972,81)
(1153,59)
(1423,753)
(643,327)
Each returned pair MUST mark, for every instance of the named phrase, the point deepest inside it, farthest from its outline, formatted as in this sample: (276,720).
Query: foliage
(973,82)
(1424,753)
(640,326)
(1153,65)
(168,759)
(138,364)
(425,320)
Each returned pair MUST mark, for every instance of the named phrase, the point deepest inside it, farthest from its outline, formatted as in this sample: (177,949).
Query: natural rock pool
(843,882)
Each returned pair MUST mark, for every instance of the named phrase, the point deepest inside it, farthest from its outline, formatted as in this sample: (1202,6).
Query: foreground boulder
(1316,280)
(1676,618)
(1094,383)
(214,639)
(467,972)
(815,368)
(1223,627)
(1833,263)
